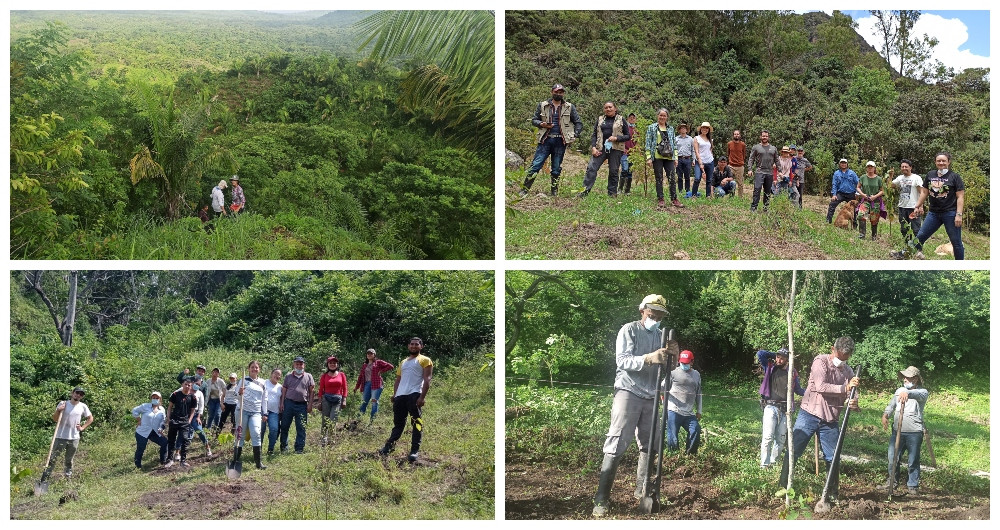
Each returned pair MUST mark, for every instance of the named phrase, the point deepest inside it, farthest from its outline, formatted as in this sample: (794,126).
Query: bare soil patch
(196,501)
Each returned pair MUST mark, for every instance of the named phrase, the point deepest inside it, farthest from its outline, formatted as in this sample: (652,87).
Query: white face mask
(650,324)
(907,385)
(941,172)
(685,367)
(837,362)
(154,402)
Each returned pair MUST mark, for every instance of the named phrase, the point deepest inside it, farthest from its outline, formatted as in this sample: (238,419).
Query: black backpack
(663,147)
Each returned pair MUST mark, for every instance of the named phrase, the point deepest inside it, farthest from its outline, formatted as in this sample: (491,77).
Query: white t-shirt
(704,150)
(909,190)
(411,375)
(273,391)
(72,416)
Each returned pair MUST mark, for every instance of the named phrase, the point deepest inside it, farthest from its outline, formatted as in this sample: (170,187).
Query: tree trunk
(69,321)
(790,394)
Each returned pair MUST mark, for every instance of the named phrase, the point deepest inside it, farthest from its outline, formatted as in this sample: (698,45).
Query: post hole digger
(833,473)
(650,502)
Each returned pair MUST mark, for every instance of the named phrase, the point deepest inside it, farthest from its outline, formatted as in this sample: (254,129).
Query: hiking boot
(184,463)
(68,474)
(911,490)
(170,463)
(918,255)
(676,203)
(385,450)
(897,254)
(523,193)
(208,451)
(660,203)
(177,456)
(412,457)
(583,194)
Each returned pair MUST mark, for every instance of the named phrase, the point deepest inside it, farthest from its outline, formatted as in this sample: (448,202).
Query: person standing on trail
(736,151)
(199,415)
(660,150)
(606,143)
(229,404)
(774,402)
(625,182)
(908,401)
(219,200)
(239,201)
(830,383)
(413,381)
(637,354)
(845,188)
(945,192)
(181,410)
(704,160)
(909,185)
(68,416)
(784,178)
(149,420)
(683,396)
(272,426)
(685,153)
(871,206)
(370,380)
(763,161)
(558,126)
(296,403)
(333,392)
(215,390)
(802,164)
(254,411)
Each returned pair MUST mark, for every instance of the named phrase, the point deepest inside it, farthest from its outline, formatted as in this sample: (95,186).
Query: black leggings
(228,411)
(661,166)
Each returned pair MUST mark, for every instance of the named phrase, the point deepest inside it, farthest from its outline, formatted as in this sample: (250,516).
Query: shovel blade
(41,488)
(234,469)
(649,505)
(822,507)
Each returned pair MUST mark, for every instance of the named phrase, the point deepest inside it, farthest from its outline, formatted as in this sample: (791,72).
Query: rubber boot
(256,457)
(641,475)
(528,181)
(628,185)
(608,469)
(555,185)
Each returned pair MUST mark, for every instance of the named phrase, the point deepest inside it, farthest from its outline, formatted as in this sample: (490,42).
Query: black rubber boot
(641,475)
(555,185)
(256,457)
(526,187)
(608,469)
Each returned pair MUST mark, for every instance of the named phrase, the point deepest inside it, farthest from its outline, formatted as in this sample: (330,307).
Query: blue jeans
(296,411)
(805,426)
(933,221)
(909,443)
(369,395)
(214,413)
(553,147)
(140,447)
(709,171)
(676,422)
(683,173)
(271,427)
(196,429)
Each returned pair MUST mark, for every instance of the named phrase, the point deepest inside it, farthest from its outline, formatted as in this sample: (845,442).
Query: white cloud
(951,34)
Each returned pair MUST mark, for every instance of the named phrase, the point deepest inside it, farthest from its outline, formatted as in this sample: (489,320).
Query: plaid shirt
(238,198)
(378,368)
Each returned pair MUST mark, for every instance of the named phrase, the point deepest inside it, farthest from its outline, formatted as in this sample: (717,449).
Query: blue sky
(964,35)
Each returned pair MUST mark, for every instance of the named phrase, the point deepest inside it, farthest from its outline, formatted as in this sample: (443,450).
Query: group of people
(638,354)
(237,201)
(258,406)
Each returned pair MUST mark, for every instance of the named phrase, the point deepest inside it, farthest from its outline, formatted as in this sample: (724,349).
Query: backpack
(663,147)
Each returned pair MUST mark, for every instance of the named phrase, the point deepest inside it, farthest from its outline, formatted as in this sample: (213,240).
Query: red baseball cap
(686,357)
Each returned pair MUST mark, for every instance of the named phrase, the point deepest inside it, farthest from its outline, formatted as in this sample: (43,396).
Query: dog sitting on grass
(845,217)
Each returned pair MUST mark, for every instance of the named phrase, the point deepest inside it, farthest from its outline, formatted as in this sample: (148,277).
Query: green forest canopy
(136,330)
(809,79)
(332,165)
(935,320)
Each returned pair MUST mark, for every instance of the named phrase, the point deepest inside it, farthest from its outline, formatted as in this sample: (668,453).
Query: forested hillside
(122,123)
(809,79)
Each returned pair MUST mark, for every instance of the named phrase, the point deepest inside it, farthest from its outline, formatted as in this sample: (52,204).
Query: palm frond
(143,166)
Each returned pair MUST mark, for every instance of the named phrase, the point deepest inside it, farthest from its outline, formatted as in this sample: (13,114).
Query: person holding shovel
(773,400)
(68,416)
(638,351)
(254,410)
(149,420)
(370,380)
(830,383)
(907,410)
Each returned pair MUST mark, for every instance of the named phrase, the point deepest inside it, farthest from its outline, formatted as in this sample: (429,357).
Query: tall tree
(67,322)
(911,52)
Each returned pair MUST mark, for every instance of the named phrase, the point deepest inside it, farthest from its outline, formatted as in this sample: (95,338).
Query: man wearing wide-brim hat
(908,401)
(637,353)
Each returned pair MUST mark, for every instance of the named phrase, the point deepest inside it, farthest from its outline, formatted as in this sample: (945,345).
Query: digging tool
(823,506)
(816,452)
(42,486)
(235,467)
(650,502)
(895,454)
(930,448)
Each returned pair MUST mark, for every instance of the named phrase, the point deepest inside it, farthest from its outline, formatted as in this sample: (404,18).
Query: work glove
(656,357)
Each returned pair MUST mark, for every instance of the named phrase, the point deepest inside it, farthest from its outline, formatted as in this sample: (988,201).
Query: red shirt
(333,384)
(378,368)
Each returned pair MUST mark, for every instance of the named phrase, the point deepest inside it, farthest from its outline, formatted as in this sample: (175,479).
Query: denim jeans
(293,411)
(614,158)
(140,447)
(661,166)
(272,427)
(909,443)
(214,413)
(709,171)
(251,423)
(370,395)
(196,429)
(774,433)
(933,221)
(683,173)
(805,426)
(676,422)
(553,147)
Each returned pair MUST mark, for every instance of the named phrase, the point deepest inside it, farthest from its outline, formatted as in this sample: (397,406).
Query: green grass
(453,480)
(599,227)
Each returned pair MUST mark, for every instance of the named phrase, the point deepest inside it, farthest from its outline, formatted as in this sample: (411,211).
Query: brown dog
(845,217)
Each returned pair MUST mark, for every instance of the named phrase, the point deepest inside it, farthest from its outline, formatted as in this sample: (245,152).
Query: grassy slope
(453,479)
(599,227)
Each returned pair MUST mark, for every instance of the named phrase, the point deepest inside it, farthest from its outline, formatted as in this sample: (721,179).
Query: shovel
(650,502)
(42,487)
(823,506)
(895,456)
(235,466)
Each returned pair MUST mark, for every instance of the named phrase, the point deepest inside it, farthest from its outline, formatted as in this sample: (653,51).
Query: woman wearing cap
(239,201)
(273,389)
(218,200)
(370,380)
(704,161)
(908,401)
(149,419)
(870,205)
(253,411)
(333,388)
